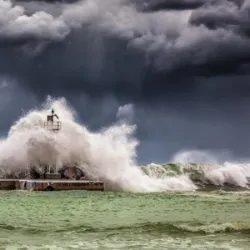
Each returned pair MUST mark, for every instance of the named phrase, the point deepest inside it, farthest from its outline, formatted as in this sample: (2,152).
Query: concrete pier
(9,184)
(50,185)
(46,180)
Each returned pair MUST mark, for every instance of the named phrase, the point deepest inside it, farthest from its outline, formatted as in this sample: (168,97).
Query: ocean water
(115,220)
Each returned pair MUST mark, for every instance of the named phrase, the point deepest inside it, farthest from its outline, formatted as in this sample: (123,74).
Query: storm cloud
(183,65)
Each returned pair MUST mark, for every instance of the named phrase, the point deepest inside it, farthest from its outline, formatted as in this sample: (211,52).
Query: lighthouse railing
(52,125)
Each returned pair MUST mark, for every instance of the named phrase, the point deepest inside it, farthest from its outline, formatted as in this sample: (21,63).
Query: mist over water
(109,155)
(228,173)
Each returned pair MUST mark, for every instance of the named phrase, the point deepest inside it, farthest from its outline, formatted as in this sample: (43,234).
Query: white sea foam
(217,174)
(230,173)
(109,155)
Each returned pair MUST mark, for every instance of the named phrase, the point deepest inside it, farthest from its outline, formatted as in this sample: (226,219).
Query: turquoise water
(107,220)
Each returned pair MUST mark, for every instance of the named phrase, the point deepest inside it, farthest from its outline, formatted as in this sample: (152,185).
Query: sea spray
(109,155)
(204,174)
(230,173)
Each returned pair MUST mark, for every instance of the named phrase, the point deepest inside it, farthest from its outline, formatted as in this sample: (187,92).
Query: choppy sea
(218,219)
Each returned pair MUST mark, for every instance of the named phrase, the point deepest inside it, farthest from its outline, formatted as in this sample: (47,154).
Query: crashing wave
(108,155)
(204,175)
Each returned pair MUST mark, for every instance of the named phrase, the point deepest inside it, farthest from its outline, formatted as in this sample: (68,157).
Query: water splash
(109,155)
(227,174)
(235,174)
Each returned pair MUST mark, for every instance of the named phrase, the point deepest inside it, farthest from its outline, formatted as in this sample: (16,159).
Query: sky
(178,69)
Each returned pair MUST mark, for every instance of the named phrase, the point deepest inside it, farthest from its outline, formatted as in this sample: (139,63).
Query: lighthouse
(52,124)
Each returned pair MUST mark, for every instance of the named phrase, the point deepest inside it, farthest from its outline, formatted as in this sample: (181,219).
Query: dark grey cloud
(110,36)
(183,64)
(159,5)
(14,102)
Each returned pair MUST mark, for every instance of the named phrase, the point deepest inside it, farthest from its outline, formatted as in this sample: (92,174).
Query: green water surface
(106,220)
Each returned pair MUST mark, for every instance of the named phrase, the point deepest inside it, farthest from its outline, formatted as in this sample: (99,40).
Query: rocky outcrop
(66,172)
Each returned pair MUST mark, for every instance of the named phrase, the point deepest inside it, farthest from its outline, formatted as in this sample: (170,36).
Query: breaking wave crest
(228,174)
(108,155)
